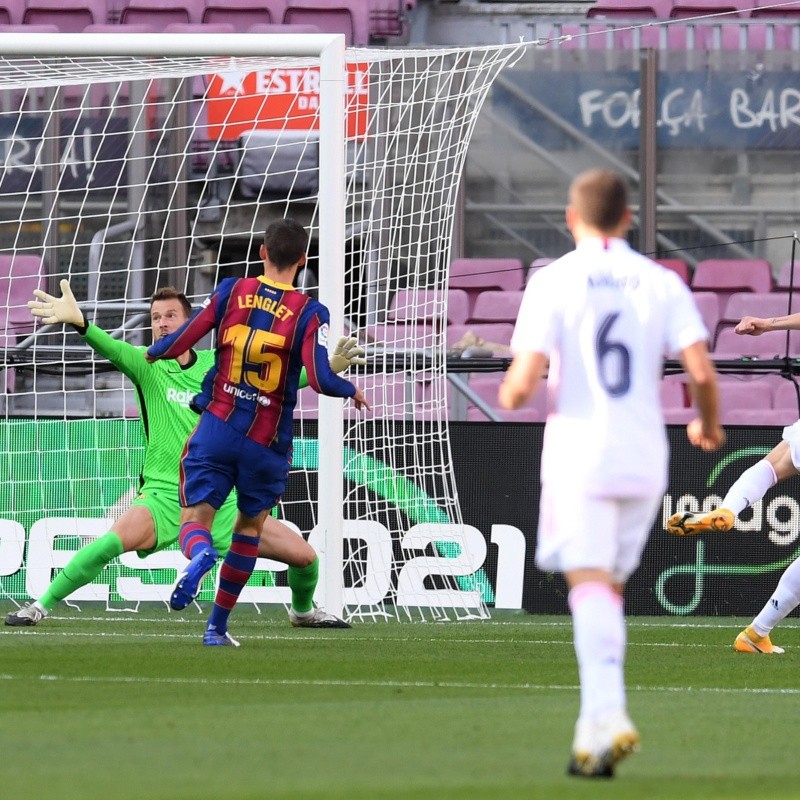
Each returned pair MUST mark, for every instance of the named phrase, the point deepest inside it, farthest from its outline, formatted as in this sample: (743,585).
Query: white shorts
(791,434)
(578,532)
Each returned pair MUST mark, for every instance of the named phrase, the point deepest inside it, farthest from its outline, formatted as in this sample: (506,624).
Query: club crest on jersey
(322,335)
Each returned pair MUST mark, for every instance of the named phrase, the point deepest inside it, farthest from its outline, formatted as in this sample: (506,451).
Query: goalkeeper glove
(58,309)
(347,352)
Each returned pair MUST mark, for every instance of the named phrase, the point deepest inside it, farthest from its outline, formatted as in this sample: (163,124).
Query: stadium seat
(263,27)
(708,305)
(427,305)
(475,275)
(12,12)
(111,27)
(421,305)
(160,13)
(199,27)
(4,28)
(350,17)
(19,276)
(772,344)
(761,10)
(487,387)
(687,9)
(779,417)
(389,18)
(69,16)
(403,336)
(786,274)
(728,275)
(679,416)
(243,14)
(672,391)
(743,395)
(496,306)
(786,396)
(629,9)
(677,265)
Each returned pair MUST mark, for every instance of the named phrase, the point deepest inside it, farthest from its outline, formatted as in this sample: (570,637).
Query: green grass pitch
(124,706)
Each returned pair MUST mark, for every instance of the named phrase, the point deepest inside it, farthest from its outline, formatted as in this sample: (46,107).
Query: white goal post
(126,169)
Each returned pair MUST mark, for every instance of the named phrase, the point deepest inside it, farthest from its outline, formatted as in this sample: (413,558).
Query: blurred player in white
(604,317)
(781,463)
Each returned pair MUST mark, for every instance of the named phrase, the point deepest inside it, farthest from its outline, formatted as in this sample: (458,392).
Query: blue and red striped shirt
(266,332)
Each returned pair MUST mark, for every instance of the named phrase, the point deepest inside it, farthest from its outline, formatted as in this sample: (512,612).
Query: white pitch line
(316,636)
(113,617)
(528,687)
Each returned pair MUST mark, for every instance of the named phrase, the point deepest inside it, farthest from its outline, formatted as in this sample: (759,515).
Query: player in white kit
(781,463)
(603,316)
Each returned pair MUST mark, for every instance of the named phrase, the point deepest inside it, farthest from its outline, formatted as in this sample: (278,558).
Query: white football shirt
(606,316)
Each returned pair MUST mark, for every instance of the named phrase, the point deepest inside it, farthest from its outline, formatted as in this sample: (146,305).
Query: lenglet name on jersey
(279,310)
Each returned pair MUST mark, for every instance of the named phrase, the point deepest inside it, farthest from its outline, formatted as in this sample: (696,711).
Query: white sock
(599,633)
(750,487)
(784,600)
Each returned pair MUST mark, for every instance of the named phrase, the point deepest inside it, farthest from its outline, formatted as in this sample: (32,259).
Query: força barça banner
(696,109)
(66,487)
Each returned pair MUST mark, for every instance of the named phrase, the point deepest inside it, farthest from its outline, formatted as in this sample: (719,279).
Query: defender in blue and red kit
(266,331)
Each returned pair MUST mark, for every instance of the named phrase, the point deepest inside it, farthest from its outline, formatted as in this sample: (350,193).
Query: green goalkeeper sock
(83,568)
(303,582)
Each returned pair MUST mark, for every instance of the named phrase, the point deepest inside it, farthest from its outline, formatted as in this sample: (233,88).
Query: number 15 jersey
(606,316)
(266,332)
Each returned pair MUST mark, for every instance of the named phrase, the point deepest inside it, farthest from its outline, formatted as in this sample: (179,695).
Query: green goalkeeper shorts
(165,509)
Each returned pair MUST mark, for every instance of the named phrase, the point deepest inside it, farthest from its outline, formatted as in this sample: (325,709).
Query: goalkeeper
(164,390)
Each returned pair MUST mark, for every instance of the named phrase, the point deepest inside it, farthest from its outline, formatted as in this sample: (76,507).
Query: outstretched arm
(755,326)
(51,310)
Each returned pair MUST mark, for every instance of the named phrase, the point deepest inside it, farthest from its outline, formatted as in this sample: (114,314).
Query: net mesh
(127,174)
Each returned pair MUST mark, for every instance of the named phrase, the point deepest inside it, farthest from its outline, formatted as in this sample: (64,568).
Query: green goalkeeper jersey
(164,390)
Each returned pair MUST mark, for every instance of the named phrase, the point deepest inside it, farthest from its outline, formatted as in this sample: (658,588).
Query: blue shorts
(217,457)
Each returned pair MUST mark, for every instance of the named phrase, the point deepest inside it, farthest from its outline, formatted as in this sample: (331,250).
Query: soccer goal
(124,170)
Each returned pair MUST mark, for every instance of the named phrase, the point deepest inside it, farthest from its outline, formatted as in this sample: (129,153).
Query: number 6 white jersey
(606,316)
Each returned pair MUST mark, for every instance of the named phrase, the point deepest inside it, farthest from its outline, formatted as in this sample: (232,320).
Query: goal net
(126,172)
